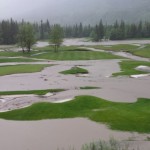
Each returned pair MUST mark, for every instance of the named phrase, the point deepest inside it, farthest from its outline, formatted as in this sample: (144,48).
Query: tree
(140,30)
(56,36)
(26,37)
(42,30)
(122,30)
(101,30)
(94,36)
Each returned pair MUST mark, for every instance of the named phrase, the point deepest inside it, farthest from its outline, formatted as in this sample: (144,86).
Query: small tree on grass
(26,37)
(56,36)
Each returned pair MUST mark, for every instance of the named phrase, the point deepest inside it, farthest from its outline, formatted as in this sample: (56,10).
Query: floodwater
(68,133)
(120,89)
(85,42)
(54,134)
(123,54)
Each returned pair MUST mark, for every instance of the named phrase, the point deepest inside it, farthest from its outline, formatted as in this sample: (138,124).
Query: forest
(120,30)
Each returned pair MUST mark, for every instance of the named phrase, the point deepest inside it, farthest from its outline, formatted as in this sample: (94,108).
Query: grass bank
(118,116)
(143,51)
(6,60)
(36,92)
(128,68)
(16,69)
(65,53)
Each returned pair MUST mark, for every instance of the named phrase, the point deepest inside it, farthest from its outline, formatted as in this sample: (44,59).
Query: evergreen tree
(101,30)
(80,30)
(140,30)
(122,30)
(41,31)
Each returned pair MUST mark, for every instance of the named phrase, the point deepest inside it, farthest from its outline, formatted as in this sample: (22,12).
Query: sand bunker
(143,68)
(139,75)
(63,101)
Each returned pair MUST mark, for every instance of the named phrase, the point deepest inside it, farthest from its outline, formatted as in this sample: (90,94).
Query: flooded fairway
(68,133)
(54,134)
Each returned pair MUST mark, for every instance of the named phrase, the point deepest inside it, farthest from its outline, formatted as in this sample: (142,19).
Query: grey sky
(70,11)
(38,9)
(14,8)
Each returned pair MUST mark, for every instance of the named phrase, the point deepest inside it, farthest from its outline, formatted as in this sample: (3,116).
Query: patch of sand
(139,75)
(143,68)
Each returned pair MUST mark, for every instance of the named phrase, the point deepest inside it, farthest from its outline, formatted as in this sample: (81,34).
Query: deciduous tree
(26,37)
(56,36)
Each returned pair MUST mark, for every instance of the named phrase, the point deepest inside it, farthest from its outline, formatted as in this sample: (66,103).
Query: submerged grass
(118,116)
(15,69)
(128,68)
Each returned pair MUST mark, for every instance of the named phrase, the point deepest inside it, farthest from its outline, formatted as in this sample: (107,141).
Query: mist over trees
(120,30)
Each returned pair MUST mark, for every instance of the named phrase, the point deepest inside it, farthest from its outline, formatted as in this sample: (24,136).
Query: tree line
(10,30)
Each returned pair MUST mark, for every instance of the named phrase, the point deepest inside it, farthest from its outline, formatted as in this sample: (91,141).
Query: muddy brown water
(53,134)
(68,133)
(84,42)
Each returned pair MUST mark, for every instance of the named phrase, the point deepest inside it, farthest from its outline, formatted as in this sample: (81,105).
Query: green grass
(144,52)
(118,116)
(15,69)
(36,92)
(73,53)
(75,70)
(77,55)
(65,53)
(128,68)
(5,60)
(18,54)
(51,48)
(119,47)
(133,49)
(89,88)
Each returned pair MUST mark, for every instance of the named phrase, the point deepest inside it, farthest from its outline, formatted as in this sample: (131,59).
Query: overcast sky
(14,8)
(28,9)
(64,10)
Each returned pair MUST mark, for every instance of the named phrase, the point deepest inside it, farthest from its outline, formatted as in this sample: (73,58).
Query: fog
(75,11)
